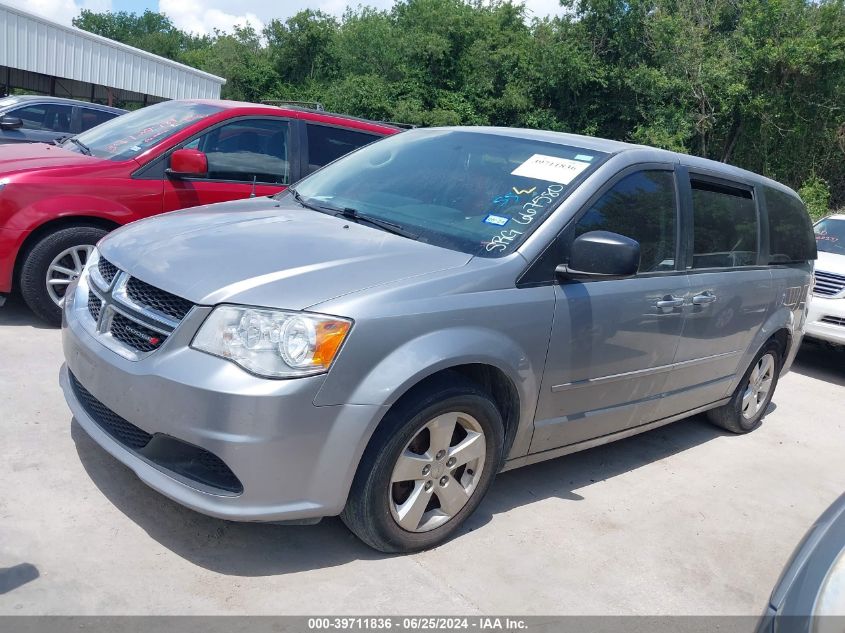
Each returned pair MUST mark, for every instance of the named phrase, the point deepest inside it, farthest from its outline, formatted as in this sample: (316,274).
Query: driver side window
(247,149)
(640,206)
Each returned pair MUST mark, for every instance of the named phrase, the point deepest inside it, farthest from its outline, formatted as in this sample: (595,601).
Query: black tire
(368,513)
(730,416)
(37,260)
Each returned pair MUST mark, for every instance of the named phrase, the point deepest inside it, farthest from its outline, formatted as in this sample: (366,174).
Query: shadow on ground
(821,361)
(13,577)
(255,549)
(16,313)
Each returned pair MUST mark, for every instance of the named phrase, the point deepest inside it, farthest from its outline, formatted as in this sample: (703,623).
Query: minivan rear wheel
(427,467)
(751,399)
(51,265)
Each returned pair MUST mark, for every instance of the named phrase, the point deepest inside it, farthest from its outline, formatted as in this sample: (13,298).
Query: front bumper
(826,319)
(294,460)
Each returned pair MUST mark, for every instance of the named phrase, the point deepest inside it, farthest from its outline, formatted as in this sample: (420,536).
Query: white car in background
(826,315)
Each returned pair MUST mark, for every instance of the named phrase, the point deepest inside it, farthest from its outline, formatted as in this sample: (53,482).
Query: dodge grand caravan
(382,339)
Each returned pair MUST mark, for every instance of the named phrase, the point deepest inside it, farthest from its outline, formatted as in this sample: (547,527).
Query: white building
(42,56)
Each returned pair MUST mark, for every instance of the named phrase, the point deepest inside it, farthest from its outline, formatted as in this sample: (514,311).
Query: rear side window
(93,118)
(724,226)
(326,143)
(640,206)
(790,230)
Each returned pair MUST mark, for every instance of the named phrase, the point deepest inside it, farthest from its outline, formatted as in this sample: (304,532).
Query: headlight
(3,183)
(273,343)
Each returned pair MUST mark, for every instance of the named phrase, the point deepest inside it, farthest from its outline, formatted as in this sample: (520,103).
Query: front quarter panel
(404,334)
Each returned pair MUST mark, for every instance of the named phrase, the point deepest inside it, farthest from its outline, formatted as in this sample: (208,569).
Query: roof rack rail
(311,105)
(404,126)
(316,106)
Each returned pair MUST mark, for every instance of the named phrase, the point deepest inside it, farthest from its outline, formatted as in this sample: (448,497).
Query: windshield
(129,135)
(474,192)
(830,236)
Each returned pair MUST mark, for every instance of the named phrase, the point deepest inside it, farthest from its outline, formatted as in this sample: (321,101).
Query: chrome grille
(833,320)
(131,316)
(107,270)
(828,284)
(157,300)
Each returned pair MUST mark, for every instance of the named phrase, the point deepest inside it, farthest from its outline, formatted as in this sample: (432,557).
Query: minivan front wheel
(51,265)
(751,398)
(427,467)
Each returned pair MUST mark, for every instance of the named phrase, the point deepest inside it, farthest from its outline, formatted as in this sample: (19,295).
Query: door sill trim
(552,453)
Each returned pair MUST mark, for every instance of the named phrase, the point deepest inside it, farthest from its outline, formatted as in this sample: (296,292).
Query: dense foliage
(758,83)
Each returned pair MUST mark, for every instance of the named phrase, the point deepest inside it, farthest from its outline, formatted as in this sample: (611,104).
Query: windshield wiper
(354,215)
(85,149)
(384,225)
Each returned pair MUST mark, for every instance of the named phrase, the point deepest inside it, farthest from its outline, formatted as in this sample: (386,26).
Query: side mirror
(601,255)
(188,163)
(10,123)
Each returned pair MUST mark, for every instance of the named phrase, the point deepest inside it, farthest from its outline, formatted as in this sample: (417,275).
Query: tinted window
(326,144)
(471,191)
(830,235)
(790,229)
(640,206)
(93,118)
(44,117)
(247,149)
(724,226)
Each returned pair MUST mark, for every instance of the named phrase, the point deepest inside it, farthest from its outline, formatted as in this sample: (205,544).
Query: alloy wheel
(758,387)
(437,472)
(64,269)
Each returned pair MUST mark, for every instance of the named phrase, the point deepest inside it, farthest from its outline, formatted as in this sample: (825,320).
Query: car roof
(299,112)
(834,216)
(63,100)
(616,147)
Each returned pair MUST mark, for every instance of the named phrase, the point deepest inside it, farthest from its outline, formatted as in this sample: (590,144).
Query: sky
(203,16)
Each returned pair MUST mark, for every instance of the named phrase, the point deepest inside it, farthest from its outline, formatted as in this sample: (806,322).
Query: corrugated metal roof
(30,42)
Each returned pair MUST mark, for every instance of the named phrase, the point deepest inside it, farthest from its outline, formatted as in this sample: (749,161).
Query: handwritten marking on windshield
(538,203)
(520,192)
(501,241)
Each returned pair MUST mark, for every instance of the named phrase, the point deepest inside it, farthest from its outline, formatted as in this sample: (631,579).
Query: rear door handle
(703,299)
(670,301)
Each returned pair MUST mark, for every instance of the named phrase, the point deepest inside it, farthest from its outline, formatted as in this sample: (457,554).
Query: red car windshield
(127,136)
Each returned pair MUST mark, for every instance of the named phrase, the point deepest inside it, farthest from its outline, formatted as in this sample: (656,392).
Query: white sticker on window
(550,168)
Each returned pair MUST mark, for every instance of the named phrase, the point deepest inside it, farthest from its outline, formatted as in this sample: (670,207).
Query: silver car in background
(382,339)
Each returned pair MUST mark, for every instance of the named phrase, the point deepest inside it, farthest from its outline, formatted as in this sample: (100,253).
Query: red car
(57,201)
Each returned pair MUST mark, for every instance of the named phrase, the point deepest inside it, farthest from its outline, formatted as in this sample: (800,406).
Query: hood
(267,252)
(830,263)
(16,157)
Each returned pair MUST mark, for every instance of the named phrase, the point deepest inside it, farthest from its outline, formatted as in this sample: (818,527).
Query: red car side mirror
(188,163)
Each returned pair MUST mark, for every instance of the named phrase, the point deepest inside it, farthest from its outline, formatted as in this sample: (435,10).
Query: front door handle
(670,301)
(703,299)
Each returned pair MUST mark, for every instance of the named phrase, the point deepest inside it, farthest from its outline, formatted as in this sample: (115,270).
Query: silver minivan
(382,339)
